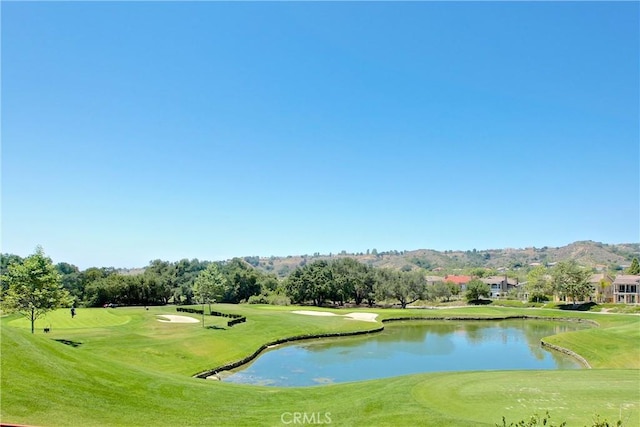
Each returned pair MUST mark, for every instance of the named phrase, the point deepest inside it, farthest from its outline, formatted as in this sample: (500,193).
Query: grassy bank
(123,367)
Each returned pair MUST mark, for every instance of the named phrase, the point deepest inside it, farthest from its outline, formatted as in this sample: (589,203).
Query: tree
(476,289)
(209,286)
(352,279)
(454,289)
(406,287)
(571,280)
(603,284)
(5,261)
(538,284)
(312,281)
(442,291)
(634,268)
(241,281)
(70,276)
(34,287)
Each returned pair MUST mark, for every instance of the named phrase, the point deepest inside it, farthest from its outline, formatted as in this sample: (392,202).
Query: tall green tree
(406,287)
(5,261)
(209,286)
(571,281)
(241,280)
(634,268)
(441,290)
(311,282)
(34,287)
(538,284)
(475,289)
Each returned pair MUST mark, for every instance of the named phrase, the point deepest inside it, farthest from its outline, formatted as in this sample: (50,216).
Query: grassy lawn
(124,367)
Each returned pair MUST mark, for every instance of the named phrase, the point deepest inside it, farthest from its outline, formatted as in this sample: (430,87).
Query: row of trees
(160,282)
(347,280)
(566,280)
(34,285)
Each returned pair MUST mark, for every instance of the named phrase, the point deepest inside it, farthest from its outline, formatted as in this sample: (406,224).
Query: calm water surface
(407,348)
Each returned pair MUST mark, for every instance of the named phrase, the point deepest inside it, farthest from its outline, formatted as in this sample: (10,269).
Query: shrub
(230,323)
(258,299)
(545,420)
(272,298)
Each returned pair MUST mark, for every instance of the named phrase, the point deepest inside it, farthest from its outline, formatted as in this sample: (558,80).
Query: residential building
(432,280)
(602,291)
(461,281)
(500,285)
(626,289)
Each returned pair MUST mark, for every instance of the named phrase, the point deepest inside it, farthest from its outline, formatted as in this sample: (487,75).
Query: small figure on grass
(73,312)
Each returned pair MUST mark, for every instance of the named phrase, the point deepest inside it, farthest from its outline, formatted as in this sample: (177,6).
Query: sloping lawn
(124,367)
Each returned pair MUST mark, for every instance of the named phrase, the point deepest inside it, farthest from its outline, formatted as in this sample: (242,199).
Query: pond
(410,347)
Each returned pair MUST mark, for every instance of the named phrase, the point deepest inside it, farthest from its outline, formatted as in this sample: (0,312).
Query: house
(626,289)
(432,280)
(601,287)
(461,281)
(500,285)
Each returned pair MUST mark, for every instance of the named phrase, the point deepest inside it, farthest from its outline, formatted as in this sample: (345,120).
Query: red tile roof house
(626,289)
(461,281)
(500,285)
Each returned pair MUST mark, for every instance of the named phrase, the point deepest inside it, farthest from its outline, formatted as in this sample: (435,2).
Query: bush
(230,323)
(534,420)
(545,420)
(258,299)
(272,298)
(190,310)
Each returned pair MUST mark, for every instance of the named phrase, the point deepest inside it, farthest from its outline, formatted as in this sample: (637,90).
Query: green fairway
(124,367)
(85,318)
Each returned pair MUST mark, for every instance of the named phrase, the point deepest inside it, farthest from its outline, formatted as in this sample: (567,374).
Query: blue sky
(136,131)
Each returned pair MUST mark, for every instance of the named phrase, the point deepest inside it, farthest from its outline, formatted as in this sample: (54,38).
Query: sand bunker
(314,313)
(365,317)
(176,319)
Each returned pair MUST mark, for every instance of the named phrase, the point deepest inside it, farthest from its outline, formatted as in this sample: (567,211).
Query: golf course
(133,366)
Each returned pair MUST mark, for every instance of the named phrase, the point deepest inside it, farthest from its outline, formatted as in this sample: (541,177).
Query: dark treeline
(161,282)
(321,282)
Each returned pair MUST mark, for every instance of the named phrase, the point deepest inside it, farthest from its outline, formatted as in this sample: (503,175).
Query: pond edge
(212,373)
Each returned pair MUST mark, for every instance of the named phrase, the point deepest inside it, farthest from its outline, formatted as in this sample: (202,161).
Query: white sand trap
(314,313)
(176,319)
(365,317)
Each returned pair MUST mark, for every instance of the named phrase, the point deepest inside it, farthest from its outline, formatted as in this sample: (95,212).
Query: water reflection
(411,347)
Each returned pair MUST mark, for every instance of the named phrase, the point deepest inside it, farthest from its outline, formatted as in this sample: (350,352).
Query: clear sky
(135,131)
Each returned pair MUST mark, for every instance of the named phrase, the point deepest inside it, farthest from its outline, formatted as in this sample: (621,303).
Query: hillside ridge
(586,252)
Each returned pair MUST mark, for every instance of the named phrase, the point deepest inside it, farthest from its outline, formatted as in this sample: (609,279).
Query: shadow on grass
(71,343)
(587,306)
(217,327)
(480,302)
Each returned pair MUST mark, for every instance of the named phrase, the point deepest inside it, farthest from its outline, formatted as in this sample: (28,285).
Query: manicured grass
(129,369)
(85,318)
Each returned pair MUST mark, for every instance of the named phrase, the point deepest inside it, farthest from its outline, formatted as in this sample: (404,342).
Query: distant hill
(586,253)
